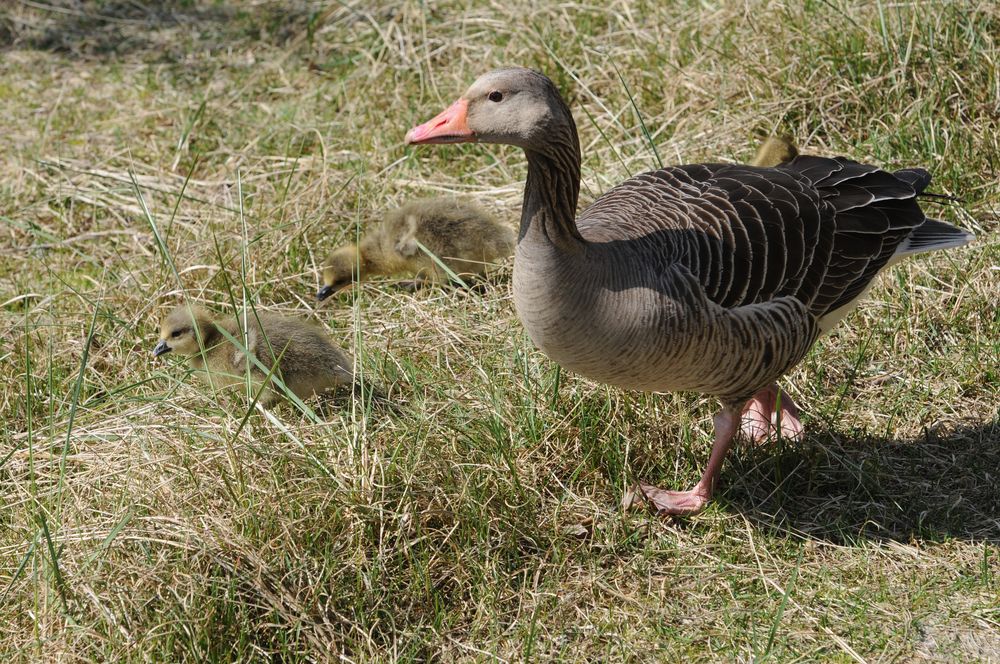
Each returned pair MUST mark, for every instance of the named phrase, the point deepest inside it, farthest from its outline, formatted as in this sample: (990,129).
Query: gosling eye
(495,96)
(175,334)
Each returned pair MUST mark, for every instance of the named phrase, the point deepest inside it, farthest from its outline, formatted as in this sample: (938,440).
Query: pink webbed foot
(686,503)
(677,503)
(770,412)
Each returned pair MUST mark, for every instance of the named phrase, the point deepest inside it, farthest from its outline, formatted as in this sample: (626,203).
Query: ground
(219,149)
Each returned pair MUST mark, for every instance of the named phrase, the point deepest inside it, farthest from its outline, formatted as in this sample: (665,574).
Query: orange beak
(450,126)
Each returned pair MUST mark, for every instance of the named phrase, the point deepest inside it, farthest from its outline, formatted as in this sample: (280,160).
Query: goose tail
(932,235)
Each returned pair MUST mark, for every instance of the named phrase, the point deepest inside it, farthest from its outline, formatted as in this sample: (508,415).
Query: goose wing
(816,229)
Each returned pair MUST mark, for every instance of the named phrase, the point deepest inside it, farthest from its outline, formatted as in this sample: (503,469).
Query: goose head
(177,331)
(516,106)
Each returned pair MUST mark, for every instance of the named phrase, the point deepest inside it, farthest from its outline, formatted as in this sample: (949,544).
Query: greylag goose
(460,233)
(307,361)
(713,278)
(775,150)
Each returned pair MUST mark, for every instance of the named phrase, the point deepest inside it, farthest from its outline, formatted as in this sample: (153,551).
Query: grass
(145,519)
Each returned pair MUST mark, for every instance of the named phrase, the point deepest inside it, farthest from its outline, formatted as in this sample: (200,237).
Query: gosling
(775,150)
(307,361)
(460,233)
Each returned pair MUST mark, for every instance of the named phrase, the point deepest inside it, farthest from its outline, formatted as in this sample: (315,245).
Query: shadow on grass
(152,30)
(847,488)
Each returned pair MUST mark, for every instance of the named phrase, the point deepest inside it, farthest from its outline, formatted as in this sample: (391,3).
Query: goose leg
(770,411)
(694,500)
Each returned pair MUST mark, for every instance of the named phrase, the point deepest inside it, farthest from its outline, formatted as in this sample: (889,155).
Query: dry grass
(141,521)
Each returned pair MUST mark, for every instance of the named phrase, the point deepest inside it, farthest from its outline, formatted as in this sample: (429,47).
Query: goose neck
(551,193)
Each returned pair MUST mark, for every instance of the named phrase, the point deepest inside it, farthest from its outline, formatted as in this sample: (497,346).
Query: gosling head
(513,105)
(343,266)
(774,151)
(177,331)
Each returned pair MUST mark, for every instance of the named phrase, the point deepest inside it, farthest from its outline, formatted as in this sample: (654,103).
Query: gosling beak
(450,126)
(325,292)
(161,348)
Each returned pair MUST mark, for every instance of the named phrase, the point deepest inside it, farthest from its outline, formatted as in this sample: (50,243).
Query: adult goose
(714,278)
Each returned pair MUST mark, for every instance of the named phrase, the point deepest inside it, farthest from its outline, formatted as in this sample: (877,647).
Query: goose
(460,233)
(307,361)
(712,278)
(775,150)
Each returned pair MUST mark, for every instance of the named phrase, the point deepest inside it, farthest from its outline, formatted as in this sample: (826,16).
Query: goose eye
(175,334)
(495,96)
